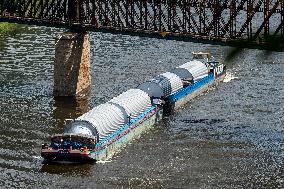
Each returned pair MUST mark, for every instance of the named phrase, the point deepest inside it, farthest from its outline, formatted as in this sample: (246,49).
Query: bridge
(257,23)
(242,23)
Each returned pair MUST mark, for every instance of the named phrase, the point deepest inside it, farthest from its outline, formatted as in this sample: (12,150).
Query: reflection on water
(67,108)
(2,45)
(231,137)
(67,169)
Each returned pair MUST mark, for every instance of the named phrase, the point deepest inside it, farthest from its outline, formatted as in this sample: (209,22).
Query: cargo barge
(100,133)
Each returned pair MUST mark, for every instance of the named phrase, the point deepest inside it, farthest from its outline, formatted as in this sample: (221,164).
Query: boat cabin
(202,55)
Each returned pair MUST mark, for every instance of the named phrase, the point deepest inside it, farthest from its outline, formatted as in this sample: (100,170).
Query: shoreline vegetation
(8,28)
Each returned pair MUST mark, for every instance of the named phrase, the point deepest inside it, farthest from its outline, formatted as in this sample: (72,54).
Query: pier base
(72,75)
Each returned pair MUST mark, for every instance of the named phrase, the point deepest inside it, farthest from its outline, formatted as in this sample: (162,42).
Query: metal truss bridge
(247,23)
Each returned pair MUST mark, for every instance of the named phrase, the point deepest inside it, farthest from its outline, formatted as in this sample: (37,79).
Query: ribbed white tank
(134,101)
(106,118)
(175,81)
(196,68)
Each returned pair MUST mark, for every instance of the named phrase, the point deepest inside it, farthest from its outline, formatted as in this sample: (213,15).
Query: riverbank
(6,28)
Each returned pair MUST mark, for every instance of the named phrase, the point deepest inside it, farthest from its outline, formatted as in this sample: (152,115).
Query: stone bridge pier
(72,68)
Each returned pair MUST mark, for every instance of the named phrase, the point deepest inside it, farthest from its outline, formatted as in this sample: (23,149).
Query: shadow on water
(68,169)
(68,108)
(272,43)
(2,44)
(233,54)
(236,51)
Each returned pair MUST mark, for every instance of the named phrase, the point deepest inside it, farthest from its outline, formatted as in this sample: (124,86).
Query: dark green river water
(231,137)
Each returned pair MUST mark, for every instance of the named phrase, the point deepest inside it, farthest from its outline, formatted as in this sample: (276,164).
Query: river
(230,137)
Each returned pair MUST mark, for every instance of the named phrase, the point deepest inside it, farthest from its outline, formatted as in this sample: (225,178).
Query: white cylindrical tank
(163,85)
(105,118)
(134,101)
(175,83)
(193,70)
(81,127)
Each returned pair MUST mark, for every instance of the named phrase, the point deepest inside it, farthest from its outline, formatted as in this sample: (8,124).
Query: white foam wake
(37,157)
(103,162)
(229,77)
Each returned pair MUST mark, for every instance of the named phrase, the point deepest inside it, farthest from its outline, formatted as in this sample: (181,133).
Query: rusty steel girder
(215,20)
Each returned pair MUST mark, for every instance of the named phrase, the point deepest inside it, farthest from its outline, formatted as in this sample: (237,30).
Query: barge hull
(134,132)
(181,98)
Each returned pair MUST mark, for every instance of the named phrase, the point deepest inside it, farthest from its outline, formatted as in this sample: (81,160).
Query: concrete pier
(72,75)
